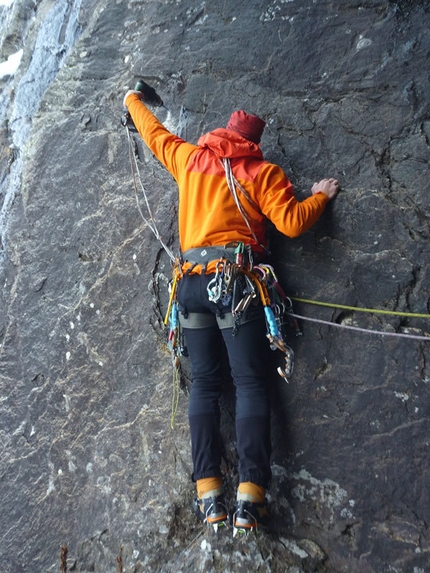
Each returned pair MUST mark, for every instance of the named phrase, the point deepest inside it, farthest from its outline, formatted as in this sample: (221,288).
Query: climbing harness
(239,284)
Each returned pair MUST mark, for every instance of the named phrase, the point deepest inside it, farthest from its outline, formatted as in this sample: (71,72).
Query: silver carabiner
(215,285)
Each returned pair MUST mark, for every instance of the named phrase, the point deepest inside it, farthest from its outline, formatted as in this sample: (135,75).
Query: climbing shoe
(248,516)
(212,510)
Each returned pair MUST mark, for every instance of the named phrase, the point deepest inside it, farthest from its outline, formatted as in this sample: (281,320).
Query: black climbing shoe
(212,511)
(248,516)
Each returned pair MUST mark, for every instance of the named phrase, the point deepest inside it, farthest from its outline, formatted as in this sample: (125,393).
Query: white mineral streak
(10,66)
(56,37)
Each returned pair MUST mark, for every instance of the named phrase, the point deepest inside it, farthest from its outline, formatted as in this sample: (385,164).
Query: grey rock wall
(89,458)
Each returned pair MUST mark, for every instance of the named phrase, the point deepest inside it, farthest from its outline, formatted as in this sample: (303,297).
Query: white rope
(231,182)
(136,177)
(365,330)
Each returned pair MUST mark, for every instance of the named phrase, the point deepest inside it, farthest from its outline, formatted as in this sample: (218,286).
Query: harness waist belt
(202,255)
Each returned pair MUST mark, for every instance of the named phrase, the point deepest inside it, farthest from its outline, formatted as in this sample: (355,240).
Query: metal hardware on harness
(228,275)
(267,278)
(249,294)
(239,254)
(219,288)
(244,303)
(286,372)
(215,285)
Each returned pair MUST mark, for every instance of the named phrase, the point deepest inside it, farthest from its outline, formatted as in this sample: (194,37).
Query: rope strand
(359,309)
(358,329)
(137,178)
(232,183)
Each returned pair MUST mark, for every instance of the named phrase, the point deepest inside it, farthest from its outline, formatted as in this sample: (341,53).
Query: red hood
(227,143)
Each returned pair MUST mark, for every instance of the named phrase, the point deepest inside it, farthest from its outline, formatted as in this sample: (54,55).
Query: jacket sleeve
(171,150)
(278,203)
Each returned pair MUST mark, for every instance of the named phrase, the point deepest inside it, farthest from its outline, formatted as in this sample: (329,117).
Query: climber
(211,227)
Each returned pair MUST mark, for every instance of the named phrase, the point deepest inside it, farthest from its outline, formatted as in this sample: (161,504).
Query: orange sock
(208,485)
(251,492)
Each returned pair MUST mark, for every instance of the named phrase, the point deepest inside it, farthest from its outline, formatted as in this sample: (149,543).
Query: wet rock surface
(89,458)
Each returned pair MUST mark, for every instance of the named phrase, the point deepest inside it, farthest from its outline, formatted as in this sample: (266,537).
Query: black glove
(150,96)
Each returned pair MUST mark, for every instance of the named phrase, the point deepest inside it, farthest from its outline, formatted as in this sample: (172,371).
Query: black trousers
(249,358)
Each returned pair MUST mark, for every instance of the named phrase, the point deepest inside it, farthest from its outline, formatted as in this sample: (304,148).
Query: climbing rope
(359,309)
(176,373)
(233,185)
(137,179)
(365,330)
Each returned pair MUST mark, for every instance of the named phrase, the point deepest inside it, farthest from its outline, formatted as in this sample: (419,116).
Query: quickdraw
(174,343)
(171,318)
(219,287)
(274,305)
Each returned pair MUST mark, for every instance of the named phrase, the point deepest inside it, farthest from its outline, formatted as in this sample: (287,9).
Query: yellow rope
(171,298)
(359,309)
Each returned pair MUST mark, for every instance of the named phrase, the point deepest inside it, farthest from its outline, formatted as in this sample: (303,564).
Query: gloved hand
(140,94)
(146,93)
(150,95)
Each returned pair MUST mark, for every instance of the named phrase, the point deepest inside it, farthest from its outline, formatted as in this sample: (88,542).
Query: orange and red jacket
(208,214)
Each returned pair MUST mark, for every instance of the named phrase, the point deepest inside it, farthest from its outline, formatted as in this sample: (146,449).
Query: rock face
(89,459)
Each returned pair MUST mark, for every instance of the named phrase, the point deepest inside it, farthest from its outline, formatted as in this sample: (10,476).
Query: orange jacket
(208,215)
